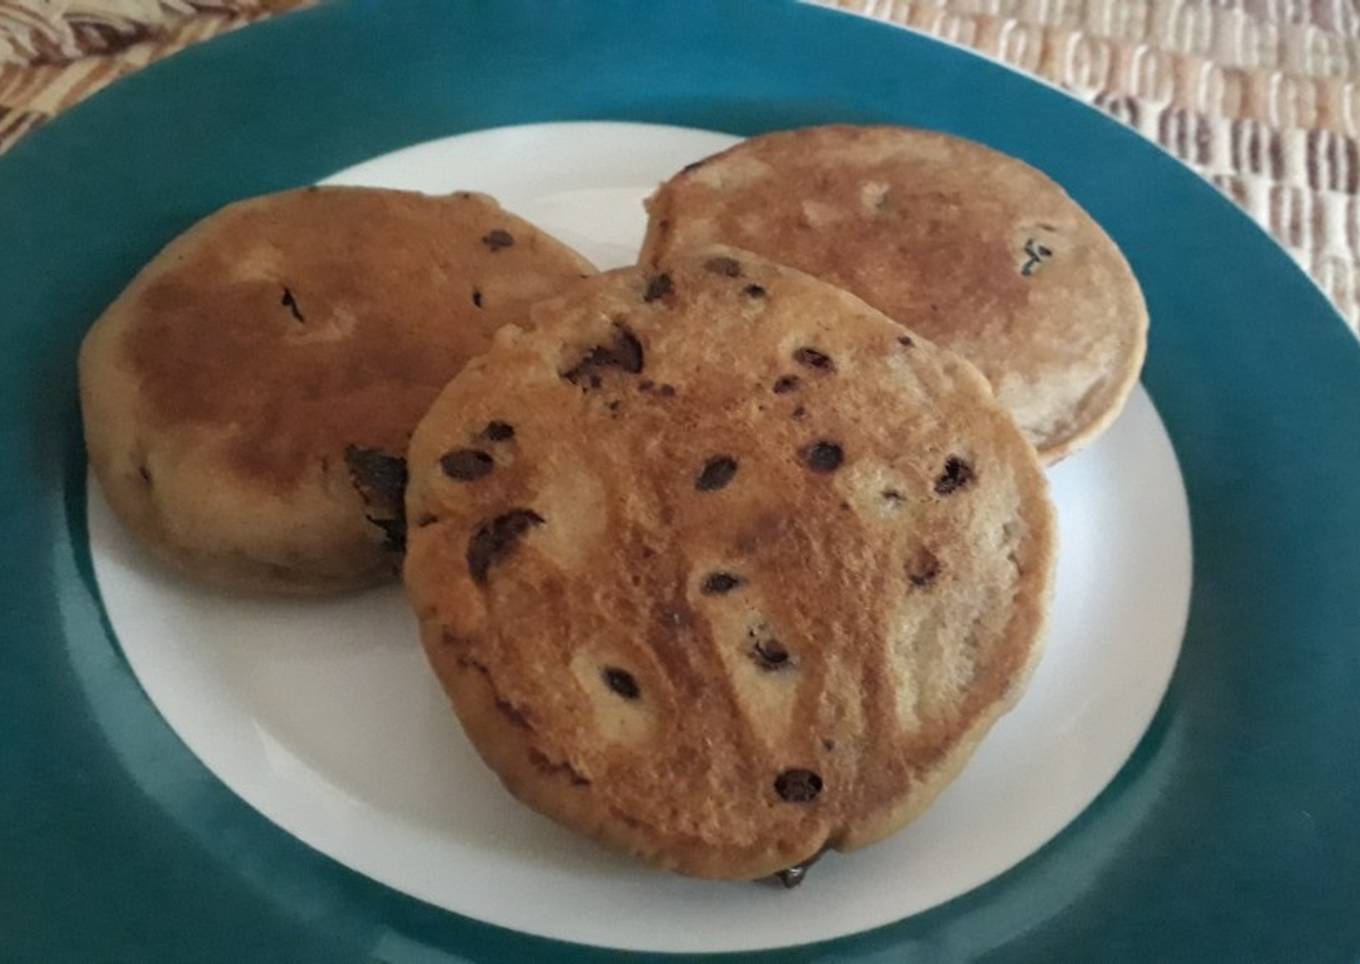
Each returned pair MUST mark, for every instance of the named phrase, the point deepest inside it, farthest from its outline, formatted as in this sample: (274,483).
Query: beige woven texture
(1262,97)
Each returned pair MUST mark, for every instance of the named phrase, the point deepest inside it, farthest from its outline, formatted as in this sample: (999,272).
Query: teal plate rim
(1229,835)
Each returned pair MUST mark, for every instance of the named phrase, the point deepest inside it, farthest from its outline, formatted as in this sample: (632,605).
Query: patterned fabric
(1262,97)
(55,53)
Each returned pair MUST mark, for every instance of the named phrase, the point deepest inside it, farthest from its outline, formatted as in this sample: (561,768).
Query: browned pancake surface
(974,249)
(272,362)
(721,566)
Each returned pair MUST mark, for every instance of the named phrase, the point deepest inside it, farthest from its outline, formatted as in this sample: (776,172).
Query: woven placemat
(1262,97)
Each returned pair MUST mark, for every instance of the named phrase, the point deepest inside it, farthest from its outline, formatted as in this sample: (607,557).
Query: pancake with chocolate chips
(248,399)
(973,249)
(746,572)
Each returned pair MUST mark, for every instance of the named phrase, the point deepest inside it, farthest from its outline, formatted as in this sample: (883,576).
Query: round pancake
(971,248)
(746,571)
(248,399)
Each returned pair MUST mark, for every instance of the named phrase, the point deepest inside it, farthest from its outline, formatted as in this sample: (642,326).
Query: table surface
(1261,97)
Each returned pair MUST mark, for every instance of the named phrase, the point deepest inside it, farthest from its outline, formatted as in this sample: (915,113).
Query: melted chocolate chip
(892,495)
(380,480)
(823,456)
(798,785)
(291,304)
(785,384)
(467,465)
(621,682)
(658,287)
(476,297)
(770,654)
(905,341)
(791,877)
(145,473)
(718,583)
(624,352)
(627,351)
(497,239)
(813,358)
(717,472)
(957,474)
(394,532)
(377,475)
(495,540)
(723,265)
(754,291)
(498,431)
(924,569)
(799,412)
(1036,253)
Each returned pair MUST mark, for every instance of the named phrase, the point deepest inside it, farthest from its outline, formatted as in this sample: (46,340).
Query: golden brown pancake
(971,248)
(248,399)
(721,566)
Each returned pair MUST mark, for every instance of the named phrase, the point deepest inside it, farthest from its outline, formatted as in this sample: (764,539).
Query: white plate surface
(324,716)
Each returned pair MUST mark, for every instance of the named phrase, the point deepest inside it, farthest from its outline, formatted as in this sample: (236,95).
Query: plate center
(324,717)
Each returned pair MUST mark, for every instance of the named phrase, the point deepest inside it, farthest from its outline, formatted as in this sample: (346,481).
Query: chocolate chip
(476,297)
(923,570)
(770,654)
(798,785)
(380,480)
(627,351)
(394,532)
(892,495)
(658,287)
(377,474)
(791,877)
(666,391)
(717,472)
(813,358)
(957,474)
(498,431)
(723,265)
(754,291)
(497,239)
(145,473)
(467,465)
(799,412)
(621,682)
(717,583)
(823,456)
(1036,253)
(495,540)
(905,340)
(291,304)
(624,352)
(785,384)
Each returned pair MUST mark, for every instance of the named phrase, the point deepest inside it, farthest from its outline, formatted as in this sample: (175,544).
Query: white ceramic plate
(324,716)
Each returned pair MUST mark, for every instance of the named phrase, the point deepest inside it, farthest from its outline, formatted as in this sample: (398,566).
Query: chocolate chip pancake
(248,399)
(723,567)
(971,248)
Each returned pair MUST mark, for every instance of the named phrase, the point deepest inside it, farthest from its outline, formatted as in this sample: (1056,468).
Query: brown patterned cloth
(1262,97)
(55,53)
